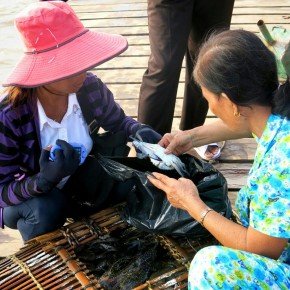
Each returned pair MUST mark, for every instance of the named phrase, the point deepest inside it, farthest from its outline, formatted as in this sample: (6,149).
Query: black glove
(146,134)
(51,172)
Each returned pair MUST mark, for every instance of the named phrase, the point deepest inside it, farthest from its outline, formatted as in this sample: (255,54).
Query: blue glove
(51,172)
(146,134)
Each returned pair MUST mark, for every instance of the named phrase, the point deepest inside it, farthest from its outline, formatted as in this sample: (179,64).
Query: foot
(210,151)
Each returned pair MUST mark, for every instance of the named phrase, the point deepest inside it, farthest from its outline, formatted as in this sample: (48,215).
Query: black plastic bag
(88,189)
(148,208)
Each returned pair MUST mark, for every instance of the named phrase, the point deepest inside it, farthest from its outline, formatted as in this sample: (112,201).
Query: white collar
(73,106)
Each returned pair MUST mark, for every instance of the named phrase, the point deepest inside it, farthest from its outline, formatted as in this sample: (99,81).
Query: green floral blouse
(264,203)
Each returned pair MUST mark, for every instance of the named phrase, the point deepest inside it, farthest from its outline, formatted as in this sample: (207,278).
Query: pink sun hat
(57,45)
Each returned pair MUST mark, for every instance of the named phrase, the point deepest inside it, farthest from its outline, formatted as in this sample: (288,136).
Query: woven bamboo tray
(50,262)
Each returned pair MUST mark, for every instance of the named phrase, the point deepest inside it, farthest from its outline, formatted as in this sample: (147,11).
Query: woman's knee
(200,260)
(11,217)
(37,215)
(48,214)
(208,268)
(211,251)
(50,209)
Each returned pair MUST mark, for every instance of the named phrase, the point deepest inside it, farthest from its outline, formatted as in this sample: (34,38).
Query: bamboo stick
(74,267)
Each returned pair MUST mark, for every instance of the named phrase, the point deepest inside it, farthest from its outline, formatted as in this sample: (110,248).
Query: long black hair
(237,63)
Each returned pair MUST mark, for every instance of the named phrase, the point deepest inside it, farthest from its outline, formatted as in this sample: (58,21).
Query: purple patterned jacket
(20,139)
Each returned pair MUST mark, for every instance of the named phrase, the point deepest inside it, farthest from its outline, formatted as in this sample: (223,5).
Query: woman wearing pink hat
(48,92)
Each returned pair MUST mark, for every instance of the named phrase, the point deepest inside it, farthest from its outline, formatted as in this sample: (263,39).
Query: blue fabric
(219,267)
(38,215)
(264,203)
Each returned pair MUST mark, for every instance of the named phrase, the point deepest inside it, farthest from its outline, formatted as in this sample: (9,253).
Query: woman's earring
(237,114)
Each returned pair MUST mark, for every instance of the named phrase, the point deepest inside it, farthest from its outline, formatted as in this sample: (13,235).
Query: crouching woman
(238,77)
(49,95)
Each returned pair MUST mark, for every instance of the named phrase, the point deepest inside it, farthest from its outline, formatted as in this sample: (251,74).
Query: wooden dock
(124,73)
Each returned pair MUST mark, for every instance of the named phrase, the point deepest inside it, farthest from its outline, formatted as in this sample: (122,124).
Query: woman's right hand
(181,193)
(177,143)
(66,162)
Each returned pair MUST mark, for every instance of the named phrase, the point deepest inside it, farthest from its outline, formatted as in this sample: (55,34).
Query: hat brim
(81,54)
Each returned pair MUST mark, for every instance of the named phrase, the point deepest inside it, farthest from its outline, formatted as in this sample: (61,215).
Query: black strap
(108,143)
(87,111)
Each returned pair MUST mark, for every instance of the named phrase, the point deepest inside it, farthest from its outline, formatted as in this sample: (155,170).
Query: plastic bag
(88,189)
(148,208)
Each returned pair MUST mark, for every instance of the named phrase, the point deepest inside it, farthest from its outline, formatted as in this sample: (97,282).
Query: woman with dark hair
(238,77)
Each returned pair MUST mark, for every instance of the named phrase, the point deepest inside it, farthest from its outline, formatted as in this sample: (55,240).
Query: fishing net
(123,260)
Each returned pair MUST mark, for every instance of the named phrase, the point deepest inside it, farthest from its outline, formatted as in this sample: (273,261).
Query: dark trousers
(177,28)
(48,212)
(38,215)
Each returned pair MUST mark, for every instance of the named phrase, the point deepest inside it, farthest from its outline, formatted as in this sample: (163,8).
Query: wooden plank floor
(124,73)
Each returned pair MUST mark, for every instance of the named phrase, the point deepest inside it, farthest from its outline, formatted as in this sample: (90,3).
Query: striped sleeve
(111,115)
(15,187)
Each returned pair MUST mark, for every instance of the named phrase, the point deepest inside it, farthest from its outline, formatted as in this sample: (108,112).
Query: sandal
(205,153)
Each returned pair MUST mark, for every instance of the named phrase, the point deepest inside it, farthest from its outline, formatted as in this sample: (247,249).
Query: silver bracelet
(203,215)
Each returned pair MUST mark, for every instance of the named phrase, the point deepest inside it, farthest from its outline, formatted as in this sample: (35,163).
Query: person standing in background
(177,28)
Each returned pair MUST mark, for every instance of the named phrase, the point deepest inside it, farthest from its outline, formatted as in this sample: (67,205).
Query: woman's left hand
(180,192)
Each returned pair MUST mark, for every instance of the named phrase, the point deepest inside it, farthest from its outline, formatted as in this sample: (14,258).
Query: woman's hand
(177,142)
(183,141)
(51,172)
(180,193)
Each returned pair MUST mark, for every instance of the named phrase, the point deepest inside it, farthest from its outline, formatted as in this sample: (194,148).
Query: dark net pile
(125,258)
